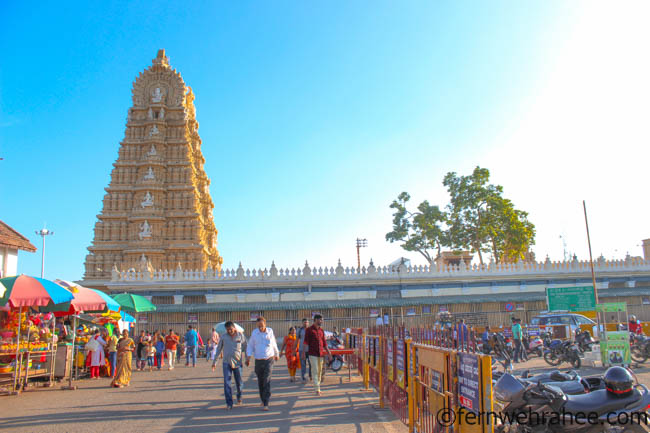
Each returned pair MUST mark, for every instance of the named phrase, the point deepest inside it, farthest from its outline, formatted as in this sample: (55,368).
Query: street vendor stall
(84,300)
(28,345)
(614,345)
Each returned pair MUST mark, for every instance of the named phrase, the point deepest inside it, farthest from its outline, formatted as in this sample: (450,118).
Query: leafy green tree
(482,220)
(421,231)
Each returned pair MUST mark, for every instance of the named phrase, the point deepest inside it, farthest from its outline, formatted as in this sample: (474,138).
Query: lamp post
(361,243)
(42,233)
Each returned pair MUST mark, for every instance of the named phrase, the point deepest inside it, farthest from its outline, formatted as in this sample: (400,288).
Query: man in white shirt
(263,347)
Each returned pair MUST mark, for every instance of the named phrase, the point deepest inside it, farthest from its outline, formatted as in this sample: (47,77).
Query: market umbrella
(221,328)
(134,303)
(26,291)
(85,299)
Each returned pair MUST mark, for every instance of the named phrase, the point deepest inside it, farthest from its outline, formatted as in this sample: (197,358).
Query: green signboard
(612,307)
(571,298)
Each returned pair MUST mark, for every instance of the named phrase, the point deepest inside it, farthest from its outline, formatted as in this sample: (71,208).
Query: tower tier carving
(157,207)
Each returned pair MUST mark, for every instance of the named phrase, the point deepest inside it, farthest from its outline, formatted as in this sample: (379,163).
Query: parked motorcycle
(563,351)
(520,398)
(571,383)
(501,346)
(584,340)
(639,348)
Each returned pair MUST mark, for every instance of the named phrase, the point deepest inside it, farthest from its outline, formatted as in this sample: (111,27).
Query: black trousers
(263,370)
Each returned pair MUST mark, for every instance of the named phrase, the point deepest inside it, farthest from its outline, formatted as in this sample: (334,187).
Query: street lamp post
(42,233)
(361,243)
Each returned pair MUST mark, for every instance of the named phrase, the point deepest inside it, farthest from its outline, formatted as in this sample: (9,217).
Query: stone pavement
(191,400)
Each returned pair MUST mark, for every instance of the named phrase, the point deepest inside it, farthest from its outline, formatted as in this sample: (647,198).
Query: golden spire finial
(161,59)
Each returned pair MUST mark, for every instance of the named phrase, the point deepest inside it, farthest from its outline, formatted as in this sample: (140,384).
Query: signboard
(510,306)
(507,332)
(389,358)
(436,381)
(313,313)
(192,318)
(615,349)
(519,307)
(374,312)
(612,307)
(442,309)
(469,384)
(254,316)
(399,361)
(142,318)
(386,321)
(570,298)
(426,309)
(410,311)
(533,331)
(645,300)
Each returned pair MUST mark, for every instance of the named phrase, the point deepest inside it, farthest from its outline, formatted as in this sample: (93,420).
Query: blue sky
(314,116)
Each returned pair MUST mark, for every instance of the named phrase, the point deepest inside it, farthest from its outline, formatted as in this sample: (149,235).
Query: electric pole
(361,243)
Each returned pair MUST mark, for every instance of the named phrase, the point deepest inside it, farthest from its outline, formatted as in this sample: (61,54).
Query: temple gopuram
(157,210)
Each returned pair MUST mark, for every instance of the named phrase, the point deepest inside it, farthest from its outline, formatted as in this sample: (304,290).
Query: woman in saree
(124,358)
(290,349)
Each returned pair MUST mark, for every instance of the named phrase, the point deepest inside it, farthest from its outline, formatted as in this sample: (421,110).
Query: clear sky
(314,116)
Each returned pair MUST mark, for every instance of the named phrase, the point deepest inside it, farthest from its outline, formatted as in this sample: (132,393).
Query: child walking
(151,353)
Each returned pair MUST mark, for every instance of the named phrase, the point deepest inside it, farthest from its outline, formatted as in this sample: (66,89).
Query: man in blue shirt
(191,338)
(462,334)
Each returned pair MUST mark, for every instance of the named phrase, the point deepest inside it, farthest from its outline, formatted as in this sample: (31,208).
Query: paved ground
(538,364)
(191,400)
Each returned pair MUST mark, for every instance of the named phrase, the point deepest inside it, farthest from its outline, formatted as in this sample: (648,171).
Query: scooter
(533,346)
(336,362)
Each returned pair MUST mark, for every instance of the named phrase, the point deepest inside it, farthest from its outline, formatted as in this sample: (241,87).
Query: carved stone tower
(157,210)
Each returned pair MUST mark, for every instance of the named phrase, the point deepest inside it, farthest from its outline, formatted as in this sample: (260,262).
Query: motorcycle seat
(600,401)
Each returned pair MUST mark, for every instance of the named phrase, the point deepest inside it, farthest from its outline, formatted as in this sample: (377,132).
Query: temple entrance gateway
(157,204)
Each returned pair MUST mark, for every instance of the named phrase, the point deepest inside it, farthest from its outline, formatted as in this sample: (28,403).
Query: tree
(482,220)
(509,231)
(419,231)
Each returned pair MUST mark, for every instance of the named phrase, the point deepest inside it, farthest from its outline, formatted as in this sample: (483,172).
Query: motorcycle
(502,346)
(563,351)
(571,383)
(584,340)
(519,399)
(639,348)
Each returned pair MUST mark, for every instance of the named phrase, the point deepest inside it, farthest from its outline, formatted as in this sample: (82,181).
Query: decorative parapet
(402,272)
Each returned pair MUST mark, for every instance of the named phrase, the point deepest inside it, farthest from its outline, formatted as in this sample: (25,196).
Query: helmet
(633,318)
(619,381)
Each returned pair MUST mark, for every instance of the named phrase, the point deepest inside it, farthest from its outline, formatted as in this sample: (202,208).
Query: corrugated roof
(381,303)
(11,238)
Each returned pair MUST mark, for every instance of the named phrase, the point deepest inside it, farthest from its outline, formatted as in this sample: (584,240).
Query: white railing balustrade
(382,272)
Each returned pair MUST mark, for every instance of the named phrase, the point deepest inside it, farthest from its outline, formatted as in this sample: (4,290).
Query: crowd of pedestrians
(305,349)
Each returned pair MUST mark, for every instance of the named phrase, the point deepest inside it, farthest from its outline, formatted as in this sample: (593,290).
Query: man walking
(112,351)
(516,336)
(232,343)
(191,338)
(171,341)
(264,348)
(315,339)
(302,350)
